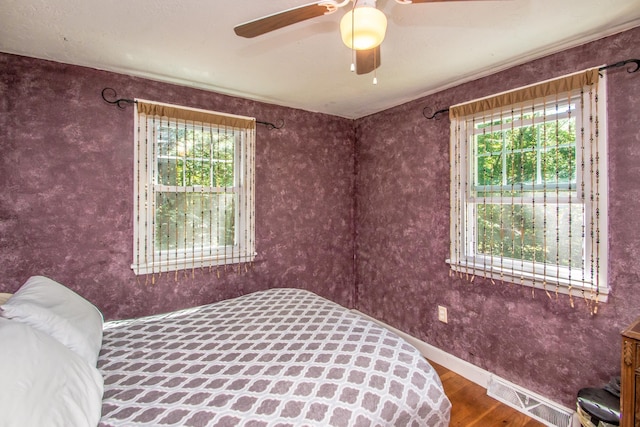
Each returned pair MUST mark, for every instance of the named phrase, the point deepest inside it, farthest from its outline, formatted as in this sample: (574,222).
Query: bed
(280,357)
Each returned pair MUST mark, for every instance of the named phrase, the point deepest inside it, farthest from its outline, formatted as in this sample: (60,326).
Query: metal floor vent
(528,403)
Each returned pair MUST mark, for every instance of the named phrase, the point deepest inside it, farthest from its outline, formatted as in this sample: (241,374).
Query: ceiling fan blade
(260,26)
(367,60)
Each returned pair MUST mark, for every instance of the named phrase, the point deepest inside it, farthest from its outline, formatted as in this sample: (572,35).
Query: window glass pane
(223,148)
(168,140)
(184,220)
(559,165)
(521,168)
(170,163)
(534,154)
(195,156)
(522,138)
(518,232)
(490,142)
(197,172)
(170,170)
(490,170)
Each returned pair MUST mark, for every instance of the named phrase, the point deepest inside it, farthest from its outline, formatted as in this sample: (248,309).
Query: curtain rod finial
(433,116)
(117,102)
(631,69)
(271,126)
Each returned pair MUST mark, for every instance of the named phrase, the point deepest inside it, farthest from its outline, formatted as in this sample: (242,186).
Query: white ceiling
(428,47)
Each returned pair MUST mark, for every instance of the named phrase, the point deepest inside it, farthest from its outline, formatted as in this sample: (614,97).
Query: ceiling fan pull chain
(375,68)
(353,48)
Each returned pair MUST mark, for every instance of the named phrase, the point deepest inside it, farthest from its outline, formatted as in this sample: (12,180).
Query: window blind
(528,187)
(194,189)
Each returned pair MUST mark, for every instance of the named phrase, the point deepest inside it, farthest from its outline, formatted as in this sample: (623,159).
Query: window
(194,189)
(529,186)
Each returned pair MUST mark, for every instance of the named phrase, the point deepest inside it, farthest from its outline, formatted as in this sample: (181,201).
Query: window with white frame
(194,188)
(529,187)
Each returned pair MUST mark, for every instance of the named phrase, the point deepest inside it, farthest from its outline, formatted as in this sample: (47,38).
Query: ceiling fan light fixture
(369,27)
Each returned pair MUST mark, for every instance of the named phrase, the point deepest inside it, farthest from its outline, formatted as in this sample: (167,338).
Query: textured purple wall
(66,170)
(402,240)
(66,203)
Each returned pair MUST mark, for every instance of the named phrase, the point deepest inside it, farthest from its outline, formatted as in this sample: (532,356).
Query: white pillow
(43,382)
(58,311)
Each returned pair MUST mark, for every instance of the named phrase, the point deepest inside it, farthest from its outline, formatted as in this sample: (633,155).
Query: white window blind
(194,183)
(529,187)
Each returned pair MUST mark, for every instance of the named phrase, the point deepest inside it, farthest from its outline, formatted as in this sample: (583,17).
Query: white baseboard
(461,367)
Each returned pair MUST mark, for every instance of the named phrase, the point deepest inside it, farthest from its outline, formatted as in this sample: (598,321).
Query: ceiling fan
(362,28)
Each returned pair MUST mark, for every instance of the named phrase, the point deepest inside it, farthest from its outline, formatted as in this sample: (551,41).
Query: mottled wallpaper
(327,188)
(66,201)
(402,227)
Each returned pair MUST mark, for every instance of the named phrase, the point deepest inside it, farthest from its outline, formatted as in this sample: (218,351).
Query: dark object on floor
(598,407)
(614,386)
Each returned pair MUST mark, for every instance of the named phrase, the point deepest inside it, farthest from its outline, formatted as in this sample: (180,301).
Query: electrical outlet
(442,314)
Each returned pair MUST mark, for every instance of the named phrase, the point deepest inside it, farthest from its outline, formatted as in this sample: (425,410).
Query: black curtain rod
(631,69)
(270,126)
(123,102)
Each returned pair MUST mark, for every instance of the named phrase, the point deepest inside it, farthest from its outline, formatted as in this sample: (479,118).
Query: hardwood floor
(471,407)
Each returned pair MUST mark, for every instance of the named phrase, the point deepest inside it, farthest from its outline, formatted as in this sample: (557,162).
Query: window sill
(164,266)
(574,288)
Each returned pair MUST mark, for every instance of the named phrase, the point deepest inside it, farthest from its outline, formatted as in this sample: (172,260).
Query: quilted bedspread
(282,357)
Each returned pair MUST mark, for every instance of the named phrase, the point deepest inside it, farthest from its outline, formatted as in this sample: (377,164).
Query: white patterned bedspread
(282,357)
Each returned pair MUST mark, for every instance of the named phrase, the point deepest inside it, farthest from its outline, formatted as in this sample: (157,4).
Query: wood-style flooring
(471,407)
